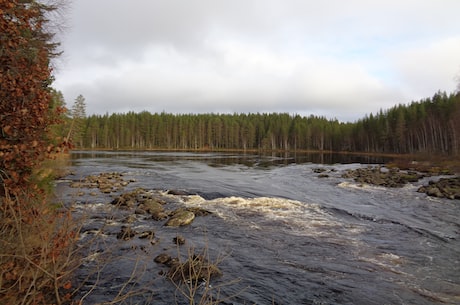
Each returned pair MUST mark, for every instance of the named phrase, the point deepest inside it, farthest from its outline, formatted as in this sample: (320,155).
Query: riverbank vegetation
(429,126)
(36,257)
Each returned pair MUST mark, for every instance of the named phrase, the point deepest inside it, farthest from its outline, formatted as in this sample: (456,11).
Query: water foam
(274,213)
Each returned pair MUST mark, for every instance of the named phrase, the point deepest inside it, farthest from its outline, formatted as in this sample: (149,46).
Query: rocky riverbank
(443,188)
(394,177)
(147,205)
(382,176)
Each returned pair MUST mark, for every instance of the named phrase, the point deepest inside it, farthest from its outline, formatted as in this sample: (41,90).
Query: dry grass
(428,164)
(36,251)
(37,242)
(192,278)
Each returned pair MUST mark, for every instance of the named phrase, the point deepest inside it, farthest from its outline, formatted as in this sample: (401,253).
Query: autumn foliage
(26,112)
(35,238)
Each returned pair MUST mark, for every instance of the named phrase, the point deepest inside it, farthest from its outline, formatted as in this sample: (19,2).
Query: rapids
(281,234)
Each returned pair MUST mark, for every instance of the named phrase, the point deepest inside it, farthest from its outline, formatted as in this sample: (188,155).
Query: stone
(78,185)
(159,216)
(180,218)
(129,219)
(443,188)
(199,211)
(381,176)
(434,192)
(319,170)
(126,233)
(162,258)
(146,234)
(178,193)
(152,206)
(196,268)
(140,211)
(179,240)
(105,182)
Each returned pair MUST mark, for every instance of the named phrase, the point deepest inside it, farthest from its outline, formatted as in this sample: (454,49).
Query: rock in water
(444,188)
(196,268)
(180,218)
(179,240)
(162,258)
(147,234)
(126,233)
(152,206)
(155,208)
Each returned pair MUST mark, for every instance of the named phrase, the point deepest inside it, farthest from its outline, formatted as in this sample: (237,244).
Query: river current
(280,233)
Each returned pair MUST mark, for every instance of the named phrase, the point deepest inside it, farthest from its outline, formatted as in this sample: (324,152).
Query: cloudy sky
(341,59)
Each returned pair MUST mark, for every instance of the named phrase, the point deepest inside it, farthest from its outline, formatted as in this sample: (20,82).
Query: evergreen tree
(77,128)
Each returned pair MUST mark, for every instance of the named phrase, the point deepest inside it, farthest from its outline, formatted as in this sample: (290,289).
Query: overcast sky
(341,59)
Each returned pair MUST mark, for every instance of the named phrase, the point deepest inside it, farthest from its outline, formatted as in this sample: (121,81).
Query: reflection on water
(261,159)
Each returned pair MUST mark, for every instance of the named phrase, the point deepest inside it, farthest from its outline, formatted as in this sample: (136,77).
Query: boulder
(434,192)
(152,206)
(180,218)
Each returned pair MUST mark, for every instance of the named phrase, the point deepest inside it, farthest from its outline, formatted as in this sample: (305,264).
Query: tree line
(427,126)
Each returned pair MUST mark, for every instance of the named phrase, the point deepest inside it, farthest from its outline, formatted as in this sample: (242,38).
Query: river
(281,234)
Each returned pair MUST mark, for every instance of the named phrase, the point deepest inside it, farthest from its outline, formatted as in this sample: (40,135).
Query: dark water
(283,235)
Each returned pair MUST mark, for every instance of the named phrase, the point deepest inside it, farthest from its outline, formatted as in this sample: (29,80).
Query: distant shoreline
(421,162)
(376,154)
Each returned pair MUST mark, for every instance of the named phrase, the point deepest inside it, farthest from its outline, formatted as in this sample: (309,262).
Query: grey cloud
(337,58)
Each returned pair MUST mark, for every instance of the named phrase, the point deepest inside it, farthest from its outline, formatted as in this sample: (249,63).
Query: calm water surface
(284,235)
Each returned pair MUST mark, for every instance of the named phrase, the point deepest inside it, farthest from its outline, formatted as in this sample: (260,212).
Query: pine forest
(427,126)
